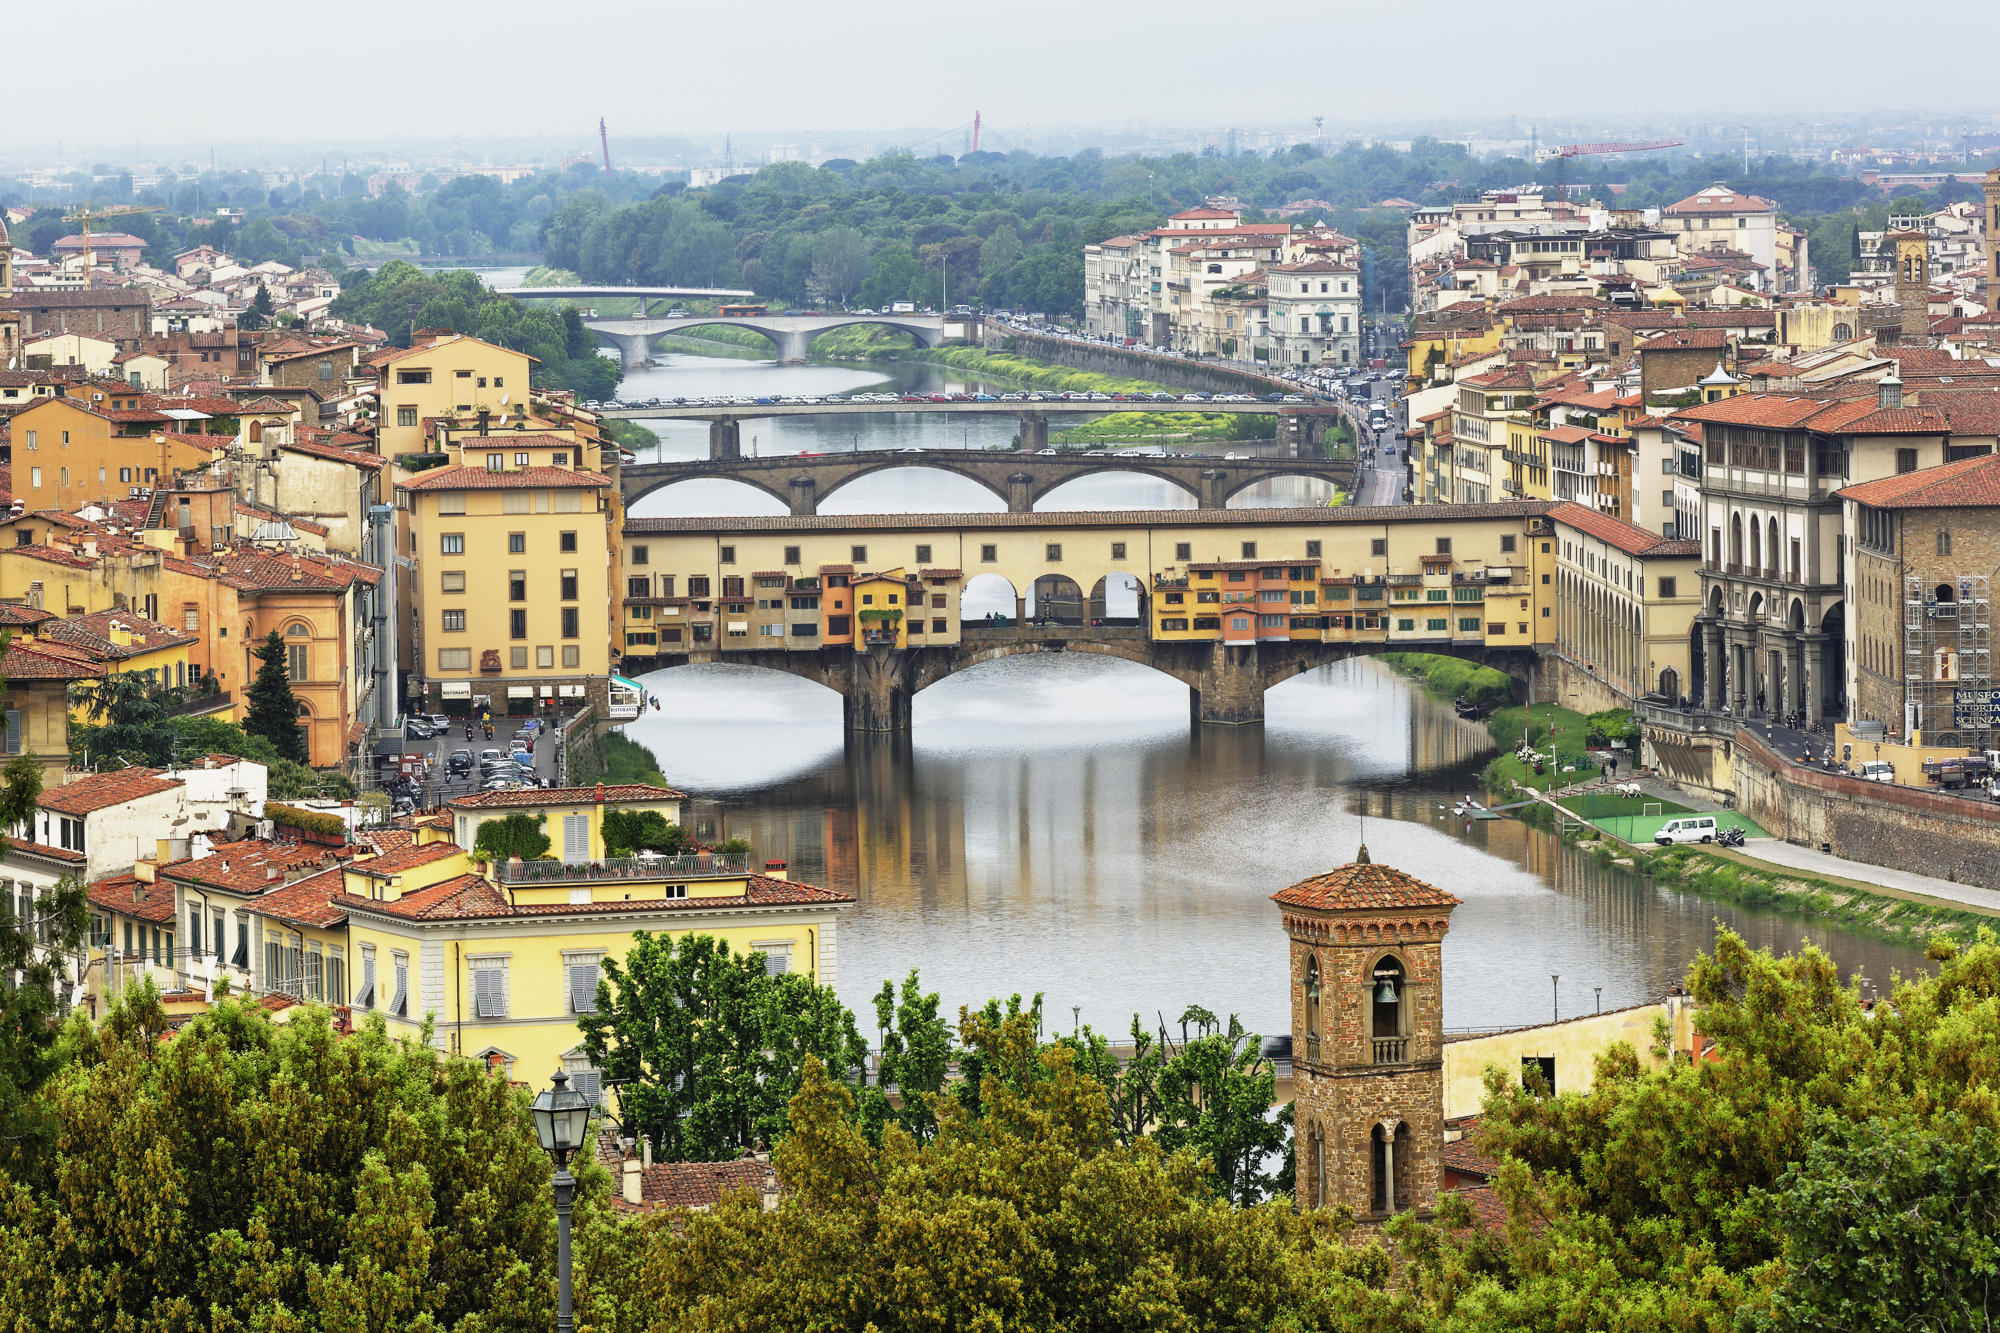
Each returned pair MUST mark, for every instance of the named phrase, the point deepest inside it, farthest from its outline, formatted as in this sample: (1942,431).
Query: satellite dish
(503,400)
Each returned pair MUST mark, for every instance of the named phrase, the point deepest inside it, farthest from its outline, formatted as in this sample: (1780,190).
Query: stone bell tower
(1367,1036)
(1913,285)
(1992,231)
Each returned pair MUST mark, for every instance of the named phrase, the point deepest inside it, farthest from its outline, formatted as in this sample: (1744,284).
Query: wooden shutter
(400,1005)
(576,838)
(489,995)
(590,1083)
(583,988)
(365,997)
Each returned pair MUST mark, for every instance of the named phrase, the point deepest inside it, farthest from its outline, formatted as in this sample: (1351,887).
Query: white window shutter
(583,988)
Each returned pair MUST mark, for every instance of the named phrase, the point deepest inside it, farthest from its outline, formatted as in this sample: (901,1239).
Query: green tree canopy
(250,1175)
(128,717)
(1033,1216)
(706,1047)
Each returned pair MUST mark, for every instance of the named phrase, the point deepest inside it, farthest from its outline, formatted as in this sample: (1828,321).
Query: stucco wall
(1574,1043)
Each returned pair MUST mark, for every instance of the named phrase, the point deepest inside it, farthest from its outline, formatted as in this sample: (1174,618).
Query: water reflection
(896,490)
(1055,824)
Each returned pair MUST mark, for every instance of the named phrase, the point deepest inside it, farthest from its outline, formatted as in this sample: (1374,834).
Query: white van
(1688,828)
(1878,770)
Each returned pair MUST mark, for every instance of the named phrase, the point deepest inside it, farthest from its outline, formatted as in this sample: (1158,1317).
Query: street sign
(1975,710)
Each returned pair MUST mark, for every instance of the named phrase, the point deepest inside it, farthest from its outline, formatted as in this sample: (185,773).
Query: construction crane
(1564,152)
(89,213)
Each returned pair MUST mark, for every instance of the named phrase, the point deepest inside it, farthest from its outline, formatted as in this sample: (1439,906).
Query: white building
(1314,313)
(1718,218)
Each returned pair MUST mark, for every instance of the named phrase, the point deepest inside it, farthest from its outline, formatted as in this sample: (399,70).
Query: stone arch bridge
(800,482)
(1226,682)
(792,335)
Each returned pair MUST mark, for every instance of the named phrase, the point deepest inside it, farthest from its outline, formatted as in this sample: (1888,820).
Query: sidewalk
(1784,855)
(1772,851)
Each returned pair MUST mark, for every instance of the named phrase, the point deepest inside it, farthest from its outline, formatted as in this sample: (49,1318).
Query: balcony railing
(1312,1046)
(1392,1050)
(625,867)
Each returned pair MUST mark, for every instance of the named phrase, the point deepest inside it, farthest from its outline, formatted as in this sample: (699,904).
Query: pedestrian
(1610,769)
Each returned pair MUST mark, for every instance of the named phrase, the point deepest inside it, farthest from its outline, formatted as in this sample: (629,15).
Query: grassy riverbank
(625,760)
(1854,905)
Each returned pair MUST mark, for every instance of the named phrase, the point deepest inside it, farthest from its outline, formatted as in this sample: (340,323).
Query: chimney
(272,874)
(774,869)
(633,1181)
(1889,391)
(598,795)
(646,1152)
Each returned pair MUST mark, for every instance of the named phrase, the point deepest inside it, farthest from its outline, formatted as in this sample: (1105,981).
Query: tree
(259,313)
(706,1048)
(840,263)
(294,1179)
(629,831)
(914,1047)
(1215,1098)
(129,716)
(274,711)
(1032,1216)
(519,834)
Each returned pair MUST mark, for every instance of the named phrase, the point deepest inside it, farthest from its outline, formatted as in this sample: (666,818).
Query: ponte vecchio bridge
(1230,602)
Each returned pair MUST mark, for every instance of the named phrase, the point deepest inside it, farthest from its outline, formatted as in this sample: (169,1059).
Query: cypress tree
(274,712)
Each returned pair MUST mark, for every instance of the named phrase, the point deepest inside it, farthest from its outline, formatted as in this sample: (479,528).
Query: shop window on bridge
(1437,623)
(1173,624)
(807,630)
(1205,595)
(1468,624)
(938,625)
(1238,576)
(697,585)
(1406,624)
(1437,594)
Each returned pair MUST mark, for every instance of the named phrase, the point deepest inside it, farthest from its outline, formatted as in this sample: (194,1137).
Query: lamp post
(561,1118)
(1555,994)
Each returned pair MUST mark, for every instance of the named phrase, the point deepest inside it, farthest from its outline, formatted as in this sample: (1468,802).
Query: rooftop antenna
(604,141)
(975,131)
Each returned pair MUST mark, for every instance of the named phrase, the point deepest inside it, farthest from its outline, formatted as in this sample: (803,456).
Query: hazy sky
(232,71)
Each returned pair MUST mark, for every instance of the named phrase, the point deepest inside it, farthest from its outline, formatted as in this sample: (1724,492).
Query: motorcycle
(1729,837)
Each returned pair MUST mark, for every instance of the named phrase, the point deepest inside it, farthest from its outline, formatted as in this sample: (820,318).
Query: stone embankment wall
(1105,359)
(1929,833)
(582,742)
(1570,686)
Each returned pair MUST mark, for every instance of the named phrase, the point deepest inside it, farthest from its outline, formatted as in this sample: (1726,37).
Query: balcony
(1312,1047)
(699,866)
(1392,1050)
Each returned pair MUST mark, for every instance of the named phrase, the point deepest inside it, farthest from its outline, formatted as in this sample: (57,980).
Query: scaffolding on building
(1947,647)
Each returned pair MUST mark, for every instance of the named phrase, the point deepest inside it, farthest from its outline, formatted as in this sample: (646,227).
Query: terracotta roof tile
(334,453)
(101,791)
(626,791)
(313,901)
(1969,483)
(525,478)
(128,895)
(470,896)
(1363,886)
(249,866)
(1627,537)
(93,634)
(43,849)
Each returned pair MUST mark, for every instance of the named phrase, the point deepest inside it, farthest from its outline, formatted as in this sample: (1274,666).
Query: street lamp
(561,1119)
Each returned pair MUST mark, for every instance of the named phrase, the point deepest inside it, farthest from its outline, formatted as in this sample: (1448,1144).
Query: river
(1054,824)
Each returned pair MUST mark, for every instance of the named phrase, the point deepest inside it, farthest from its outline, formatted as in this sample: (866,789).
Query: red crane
(604,140)
(1565,152)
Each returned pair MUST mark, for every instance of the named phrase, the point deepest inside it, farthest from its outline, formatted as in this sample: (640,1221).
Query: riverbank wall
(1103,358)
(1570,685)
(1927,833)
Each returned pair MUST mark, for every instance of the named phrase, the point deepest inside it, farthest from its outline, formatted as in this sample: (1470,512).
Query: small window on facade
(1053,552)
(791,555)
(1312,550)
(858,554)
(923,555)
(989,555)
(1249,550)
(1118,550)
(1378,546)
(1183,550)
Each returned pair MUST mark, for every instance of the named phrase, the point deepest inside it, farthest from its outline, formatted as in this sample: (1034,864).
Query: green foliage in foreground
(1828,1167)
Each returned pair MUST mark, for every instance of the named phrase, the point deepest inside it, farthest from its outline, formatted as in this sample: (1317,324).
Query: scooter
(1729,837)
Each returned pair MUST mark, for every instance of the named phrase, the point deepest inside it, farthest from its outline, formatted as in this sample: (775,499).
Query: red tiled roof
(101,791)
(334,453)
(1719,199)
(43,849)
(471,896)
(394,860)
(1627,537)
(246,867)
(1969,483)
(1707,340)
(93,634)
(315,900)
(1362,886)
(622,791)
(128,895)
(480,479)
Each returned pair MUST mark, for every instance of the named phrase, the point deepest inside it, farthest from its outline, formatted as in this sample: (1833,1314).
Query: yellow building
(444,379)
(882,606)
(67,454)
(514,560)
(1626,602)
(573,816)
(36,700)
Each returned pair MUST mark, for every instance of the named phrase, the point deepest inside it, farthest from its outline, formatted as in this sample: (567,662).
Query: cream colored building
(1626,600)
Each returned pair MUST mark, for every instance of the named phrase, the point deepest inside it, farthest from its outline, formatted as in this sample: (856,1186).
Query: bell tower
(1367,1036)
(1913,285)
(1992,232)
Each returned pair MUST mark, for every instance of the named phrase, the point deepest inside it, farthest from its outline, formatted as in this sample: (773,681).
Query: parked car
(460,762)
(1687,828)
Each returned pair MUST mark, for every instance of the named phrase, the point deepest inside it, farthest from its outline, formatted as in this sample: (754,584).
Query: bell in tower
(1367,1036)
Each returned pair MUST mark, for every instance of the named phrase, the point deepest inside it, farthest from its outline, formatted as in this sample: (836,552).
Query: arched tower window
(1312,1006)
(1388,1012)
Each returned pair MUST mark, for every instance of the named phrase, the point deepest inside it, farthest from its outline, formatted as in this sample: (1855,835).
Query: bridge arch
(924,337)
(1134,651)
(1055,599)
(770,485)
(1108,598)
(1051,500)
(988,594)
(888,461)
(1232,489)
